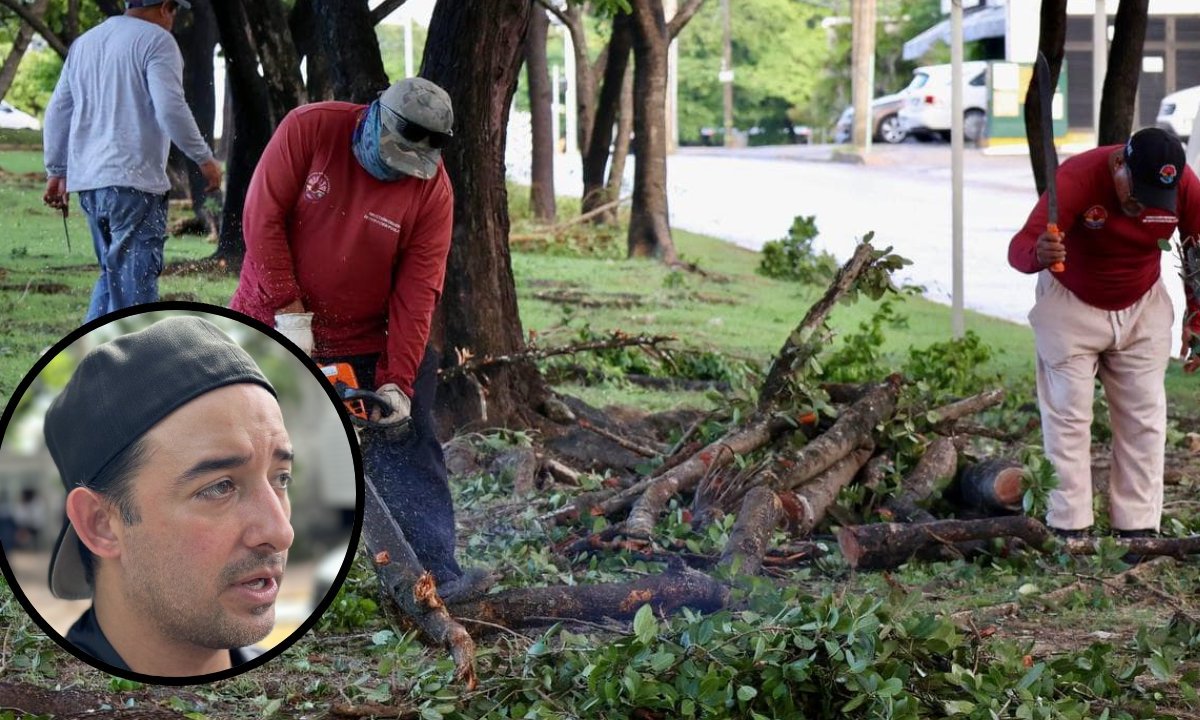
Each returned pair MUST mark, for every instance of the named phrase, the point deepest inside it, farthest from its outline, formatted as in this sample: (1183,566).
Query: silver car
(887,127)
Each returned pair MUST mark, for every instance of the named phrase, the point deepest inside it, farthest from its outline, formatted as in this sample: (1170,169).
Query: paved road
(750,196)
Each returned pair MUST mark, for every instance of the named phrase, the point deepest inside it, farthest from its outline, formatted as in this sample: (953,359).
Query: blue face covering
(366,147)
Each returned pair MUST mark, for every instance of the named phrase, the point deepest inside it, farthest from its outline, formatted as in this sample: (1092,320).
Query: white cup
(296,327)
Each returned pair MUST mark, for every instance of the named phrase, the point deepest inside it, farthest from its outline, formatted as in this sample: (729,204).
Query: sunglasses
(413,132)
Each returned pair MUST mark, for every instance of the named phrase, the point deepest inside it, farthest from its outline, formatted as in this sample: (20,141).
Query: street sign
(725,76)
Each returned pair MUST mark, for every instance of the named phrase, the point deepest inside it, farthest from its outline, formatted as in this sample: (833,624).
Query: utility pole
(862,18)
(726,75)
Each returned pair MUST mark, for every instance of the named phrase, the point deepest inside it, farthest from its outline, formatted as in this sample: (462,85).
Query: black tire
(974,125)
(890,130)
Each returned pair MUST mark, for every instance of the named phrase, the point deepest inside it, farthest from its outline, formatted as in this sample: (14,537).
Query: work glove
(296,327)
(401,405)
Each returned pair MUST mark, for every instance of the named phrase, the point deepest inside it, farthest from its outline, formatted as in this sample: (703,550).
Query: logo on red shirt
(316,186)
(1166,174)
(1095,217)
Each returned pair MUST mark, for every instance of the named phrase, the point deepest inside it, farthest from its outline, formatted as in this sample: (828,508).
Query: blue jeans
(410,473)
(129,229)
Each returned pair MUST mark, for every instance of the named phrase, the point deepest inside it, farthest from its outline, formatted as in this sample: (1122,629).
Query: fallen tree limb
(807,507)
(936,466)
(992,485)
(807,339)
(967,406)
(756,520)
(666,593)
(853,429)
(617,339)
(414,590)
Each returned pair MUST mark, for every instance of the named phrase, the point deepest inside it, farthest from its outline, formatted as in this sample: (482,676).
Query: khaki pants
(1130,350)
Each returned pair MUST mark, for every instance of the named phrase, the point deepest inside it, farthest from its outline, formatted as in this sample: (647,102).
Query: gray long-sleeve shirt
(117,107)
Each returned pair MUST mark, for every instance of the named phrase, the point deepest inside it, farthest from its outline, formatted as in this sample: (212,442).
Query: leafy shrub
(953,367)
(793,258)
(858,358)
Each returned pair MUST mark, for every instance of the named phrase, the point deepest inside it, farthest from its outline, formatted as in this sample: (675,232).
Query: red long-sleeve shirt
(366,257)
(1112,259)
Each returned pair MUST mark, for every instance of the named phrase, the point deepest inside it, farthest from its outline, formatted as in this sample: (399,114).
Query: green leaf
(959,707)
(1159,667)
(383,637)
(1165,244)
(746,693)
(1032,676)
(645,625)
(272,707)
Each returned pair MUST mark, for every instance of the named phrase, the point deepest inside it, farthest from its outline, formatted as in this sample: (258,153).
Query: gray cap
(420,103)
(118,392)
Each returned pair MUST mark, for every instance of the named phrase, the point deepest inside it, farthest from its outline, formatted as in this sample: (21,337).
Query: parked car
(14,119)
(926,111)
(886,123)
(1178,111)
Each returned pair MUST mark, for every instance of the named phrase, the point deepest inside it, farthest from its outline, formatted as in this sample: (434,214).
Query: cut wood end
(1008,487)
(636,599)
(849,545)
(383,557)
(425,592)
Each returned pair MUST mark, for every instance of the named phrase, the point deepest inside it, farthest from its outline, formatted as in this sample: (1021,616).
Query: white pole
(572,107)
(408,48)
(956,162)
(555,107)
(1099,61)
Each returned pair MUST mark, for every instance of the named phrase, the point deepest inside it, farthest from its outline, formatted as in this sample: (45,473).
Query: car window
(980,79)
(918,81)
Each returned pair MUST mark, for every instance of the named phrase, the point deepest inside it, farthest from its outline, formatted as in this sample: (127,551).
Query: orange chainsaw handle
(1052,229)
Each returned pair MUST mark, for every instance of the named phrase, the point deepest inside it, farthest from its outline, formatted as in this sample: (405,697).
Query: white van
(927,111)
(1178,111)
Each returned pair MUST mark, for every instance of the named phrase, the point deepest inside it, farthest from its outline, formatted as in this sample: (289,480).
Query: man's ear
(96,522)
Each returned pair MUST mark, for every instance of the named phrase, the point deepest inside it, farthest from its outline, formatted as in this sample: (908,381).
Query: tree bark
(992,486)
(479,302)
(1052,37)
(936,467)
(251,124)
(649,219)
(346,32)
(541,190)
(197,35)
(888,545)
(595,160)
(807,339)
(666,593)
(8,72)
(616,170)
(277,53)
(751,533)
(410,585)
(585,77)
(808,505)
(303,24)
(1124,70)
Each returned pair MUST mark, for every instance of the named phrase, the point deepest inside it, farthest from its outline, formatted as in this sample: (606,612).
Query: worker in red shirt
(347,224)
(1107,313)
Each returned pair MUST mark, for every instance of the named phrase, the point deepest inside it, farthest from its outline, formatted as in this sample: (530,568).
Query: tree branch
(556,12)
(26,14)
(387,7)
(682,16)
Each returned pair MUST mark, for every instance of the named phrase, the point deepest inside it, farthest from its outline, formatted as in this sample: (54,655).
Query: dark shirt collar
(86,635)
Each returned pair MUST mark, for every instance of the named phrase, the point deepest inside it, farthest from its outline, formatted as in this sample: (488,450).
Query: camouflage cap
(420,103)
(185,4)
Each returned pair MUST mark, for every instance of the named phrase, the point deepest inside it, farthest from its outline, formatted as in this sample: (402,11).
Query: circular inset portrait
(180,493)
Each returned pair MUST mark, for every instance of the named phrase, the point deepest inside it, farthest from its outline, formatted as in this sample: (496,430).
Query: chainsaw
(359,402)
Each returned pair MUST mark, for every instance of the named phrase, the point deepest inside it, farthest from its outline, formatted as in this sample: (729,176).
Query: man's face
(1123,183)
(204,563)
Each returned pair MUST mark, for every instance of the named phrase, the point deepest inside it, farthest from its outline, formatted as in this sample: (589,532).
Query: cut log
(935,468)
(650,496)
(967,406)
(413,589)
(561,472)
(666,593)
(853,429)
(807,507)
(807,339)
(992,486)
(889,545)
(757,519)
(875,472)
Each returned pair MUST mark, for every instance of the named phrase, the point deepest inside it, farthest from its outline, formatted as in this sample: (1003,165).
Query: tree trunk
(277,53)
(1124,69)
(196,33)
(595,160)
(888,545)
(751,533)
(347,34)
(251,124)
(479,302)
(807,506)
(992,486)
(585,78)
(541,191)
(1051,39)
(649,219)
(8,72)
(110,7)
(308,46)
(616,171)
(71,25)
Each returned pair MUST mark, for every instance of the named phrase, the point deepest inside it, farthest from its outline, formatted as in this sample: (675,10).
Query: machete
(1046,98)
